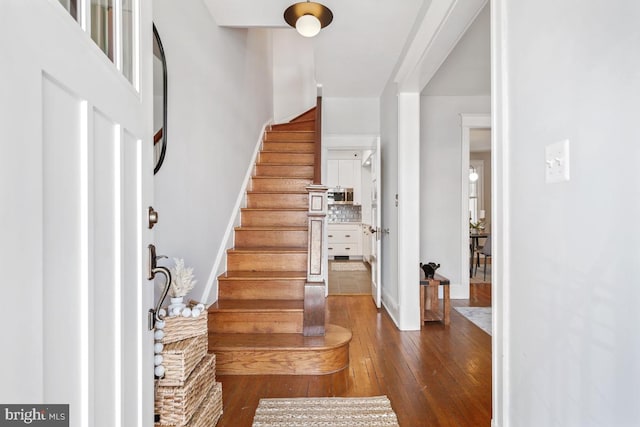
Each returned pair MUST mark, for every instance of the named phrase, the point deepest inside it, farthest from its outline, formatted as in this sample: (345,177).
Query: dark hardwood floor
(438,376)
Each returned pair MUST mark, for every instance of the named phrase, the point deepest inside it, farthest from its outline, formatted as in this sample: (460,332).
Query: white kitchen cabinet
(333,173)
(344,239)
(346,173)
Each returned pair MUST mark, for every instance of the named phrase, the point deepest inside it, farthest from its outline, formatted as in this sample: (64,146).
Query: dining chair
(486,252)
(478,249)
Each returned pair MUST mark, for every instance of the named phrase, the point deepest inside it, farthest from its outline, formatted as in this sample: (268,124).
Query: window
(112,25)
(71,6)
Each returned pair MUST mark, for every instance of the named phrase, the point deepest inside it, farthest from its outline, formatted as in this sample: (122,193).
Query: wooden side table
(430,307)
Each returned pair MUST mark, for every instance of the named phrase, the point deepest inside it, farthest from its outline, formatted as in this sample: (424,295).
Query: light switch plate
(556,158)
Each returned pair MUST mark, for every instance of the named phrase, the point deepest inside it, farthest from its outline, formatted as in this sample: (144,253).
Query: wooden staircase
(256,326)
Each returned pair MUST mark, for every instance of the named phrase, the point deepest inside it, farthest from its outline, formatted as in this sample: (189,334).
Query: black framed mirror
(159,102)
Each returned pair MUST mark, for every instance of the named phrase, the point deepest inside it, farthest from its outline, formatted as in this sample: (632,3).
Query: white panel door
(76,182)
(376,220)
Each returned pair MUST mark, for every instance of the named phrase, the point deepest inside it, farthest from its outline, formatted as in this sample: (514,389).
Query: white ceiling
(355,55)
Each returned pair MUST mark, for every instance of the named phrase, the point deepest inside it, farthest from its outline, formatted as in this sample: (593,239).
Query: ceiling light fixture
(473,175)
(308,17)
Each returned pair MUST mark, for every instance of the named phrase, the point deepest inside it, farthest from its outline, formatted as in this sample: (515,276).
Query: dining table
(474,244)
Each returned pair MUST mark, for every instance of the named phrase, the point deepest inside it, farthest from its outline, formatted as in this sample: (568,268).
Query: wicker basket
(180,328)
(209,412)
(180,359)
(176,405)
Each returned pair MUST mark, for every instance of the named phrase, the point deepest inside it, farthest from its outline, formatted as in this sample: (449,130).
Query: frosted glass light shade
(473,176)
(308,25)
(308,17)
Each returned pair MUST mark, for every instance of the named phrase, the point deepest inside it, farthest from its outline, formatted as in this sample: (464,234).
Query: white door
(76,182)
(376,238)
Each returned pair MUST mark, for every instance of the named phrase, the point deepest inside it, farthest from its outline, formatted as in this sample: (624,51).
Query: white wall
(441,211)
(294,83)
(571,285)
(220,95)
(408,202)
(351,116)
(389,180)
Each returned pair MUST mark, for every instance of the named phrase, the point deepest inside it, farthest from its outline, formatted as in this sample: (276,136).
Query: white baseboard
(392,307)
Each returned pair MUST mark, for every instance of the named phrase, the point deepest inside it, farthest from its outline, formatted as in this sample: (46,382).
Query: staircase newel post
(317,263)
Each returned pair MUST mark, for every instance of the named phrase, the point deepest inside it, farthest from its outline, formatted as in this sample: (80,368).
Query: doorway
(480,204)
(476,127)
(349,221)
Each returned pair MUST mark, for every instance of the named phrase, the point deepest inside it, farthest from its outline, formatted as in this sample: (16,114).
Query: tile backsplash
(345,213)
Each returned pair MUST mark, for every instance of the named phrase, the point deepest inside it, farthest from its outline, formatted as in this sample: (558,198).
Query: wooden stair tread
(265,275)
(289,136)
(289,178)
(335,336)
(292,142)
(296,121)
(271,228)
(255,305)
(274,249)
(277,192)
(286,169)
(288,164)
(275,209)
(294,132)
(281,152)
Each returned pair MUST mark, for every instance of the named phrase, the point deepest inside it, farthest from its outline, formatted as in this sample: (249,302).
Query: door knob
(153,269)
(152,217)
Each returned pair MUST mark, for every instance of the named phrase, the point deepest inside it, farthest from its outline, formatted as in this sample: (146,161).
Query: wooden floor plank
(438,376)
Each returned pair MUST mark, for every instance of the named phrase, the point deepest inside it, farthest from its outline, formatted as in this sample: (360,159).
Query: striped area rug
(325,412)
